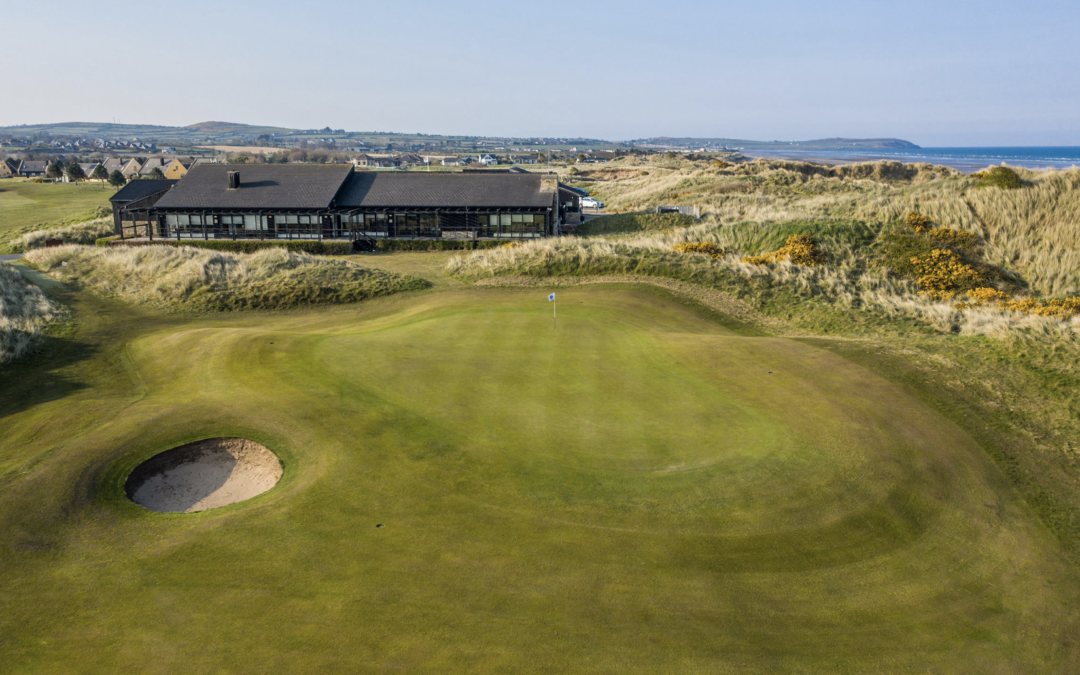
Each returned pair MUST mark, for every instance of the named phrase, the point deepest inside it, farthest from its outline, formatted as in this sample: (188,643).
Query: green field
(27,206)
(645,489)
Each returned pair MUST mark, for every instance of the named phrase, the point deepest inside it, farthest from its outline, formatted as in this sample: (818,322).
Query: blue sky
(935,73)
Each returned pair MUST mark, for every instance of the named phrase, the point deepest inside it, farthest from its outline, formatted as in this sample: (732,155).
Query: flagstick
(554,314)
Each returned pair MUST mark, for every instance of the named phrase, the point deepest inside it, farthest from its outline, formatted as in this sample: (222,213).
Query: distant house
(9,168)
(168,151)
(488,160)
(451,161)
(176,169)
(113,163)
(131,169)
(33,169)
(150,165)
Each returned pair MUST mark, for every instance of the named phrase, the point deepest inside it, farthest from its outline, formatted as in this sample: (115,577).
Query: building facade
(289,201)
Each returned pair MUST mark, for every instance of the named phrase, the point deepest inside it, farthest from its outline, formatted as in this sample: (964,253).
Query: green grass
(622,223)
(27,206)
(641,490)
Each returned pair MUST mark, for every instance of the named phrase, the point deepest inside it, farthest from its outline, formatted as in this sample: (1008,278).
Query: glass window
(506,220)
(251,222)
(170,219)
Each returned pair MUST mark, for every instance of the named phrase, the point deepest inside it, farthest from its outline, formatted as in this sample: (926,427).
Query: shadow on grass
(40,377)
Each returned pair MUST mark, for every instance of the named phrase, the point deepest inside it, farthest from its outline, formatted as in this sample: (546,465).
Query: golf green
(469,489)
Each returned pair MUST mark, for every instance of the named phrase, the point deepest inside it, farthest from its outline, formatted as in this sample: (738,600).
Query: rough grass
(174,277)
(1033,232)
(25,312)
(79,233)
(623,223)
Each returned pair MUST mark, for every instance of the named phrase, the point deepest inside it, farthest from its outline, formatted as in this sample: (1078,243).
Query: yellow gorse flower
(942,274)
(800,249)
(712,250)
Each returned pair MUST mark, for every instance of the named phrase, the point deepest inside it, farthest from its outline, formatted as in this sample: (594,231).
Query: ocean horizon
(966,159)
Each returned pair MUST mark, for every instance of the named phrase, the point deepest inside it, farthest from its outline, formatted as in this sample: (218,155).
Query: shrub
(943,274)
(712,250)
(954,239)
(1056,308)
(800,249)
(1062,308)
(106,241)
(1000,177)
(918,222)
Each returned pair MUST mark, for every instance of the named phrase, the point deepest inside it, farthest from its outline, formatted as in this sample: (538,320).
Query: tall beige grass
(179,276)
(845,280)
(25,311)
(79,233)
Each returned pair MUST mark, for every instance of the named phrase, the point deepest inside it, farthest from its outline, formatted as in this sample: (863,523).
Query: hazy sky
(940,72)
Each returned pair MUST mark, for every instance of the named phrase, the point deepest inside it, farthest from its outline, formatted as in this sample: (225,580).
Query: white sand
(204,475)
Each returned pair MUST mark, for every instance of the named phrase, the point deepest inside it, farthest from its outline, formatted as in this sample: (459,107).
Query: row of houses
(130,168)
(399,161)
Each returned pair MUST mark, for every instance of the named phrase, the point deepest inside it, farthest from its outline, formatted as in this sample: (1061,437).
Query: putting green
(640,490)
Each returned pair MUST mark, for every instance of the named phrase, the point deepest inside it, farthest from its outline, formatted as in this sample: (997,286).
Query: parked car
(591,203)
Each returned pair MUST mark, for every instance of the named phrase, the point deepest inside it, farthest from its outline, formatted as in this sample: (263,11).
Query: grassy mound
(79,233)
(1000,177)
(623,223)
(24,313)
(182,277)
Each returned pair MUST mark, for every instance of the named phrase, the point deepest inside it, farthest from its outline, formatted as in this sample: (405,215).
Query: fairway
(467,489)
(24,204)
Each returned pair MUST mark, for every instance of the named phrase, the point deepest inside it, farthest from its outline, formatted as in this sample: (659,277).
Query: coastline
(965,160)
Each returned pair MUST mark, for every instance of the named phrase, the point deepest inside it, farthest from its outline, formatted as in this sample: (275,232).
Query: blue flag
(551,298)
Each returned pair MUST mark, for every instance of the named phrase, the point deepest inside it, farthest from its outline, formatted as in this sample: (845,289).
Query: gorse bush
(799,249)
(185,277)
(703,247)
(1000,177)
(943,274)
(1057,308)
(953,239)
(25,312)
(918,222)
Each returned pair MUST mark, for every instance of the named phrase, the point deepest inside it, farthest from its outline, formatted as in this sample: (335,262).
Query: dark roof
(267,186)
(33,166)
(137,189)
(427,190)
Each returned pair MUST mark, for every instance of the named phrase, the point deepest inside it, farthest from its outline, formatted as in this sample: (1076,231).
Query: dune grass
(623,223)
(25,312)
(78,233)
(641,490)
(175,277)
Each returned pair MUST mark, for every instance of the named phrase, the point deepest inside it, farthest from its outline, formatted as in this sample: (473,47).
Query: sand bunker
(203,475)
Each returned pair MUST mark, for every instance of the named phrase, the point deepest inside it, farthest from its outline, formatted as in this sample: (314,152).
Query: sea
(966,160)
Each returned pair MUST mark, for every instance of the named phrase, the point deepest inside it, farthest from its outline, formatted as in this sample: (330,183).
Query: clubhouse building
(303,201)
